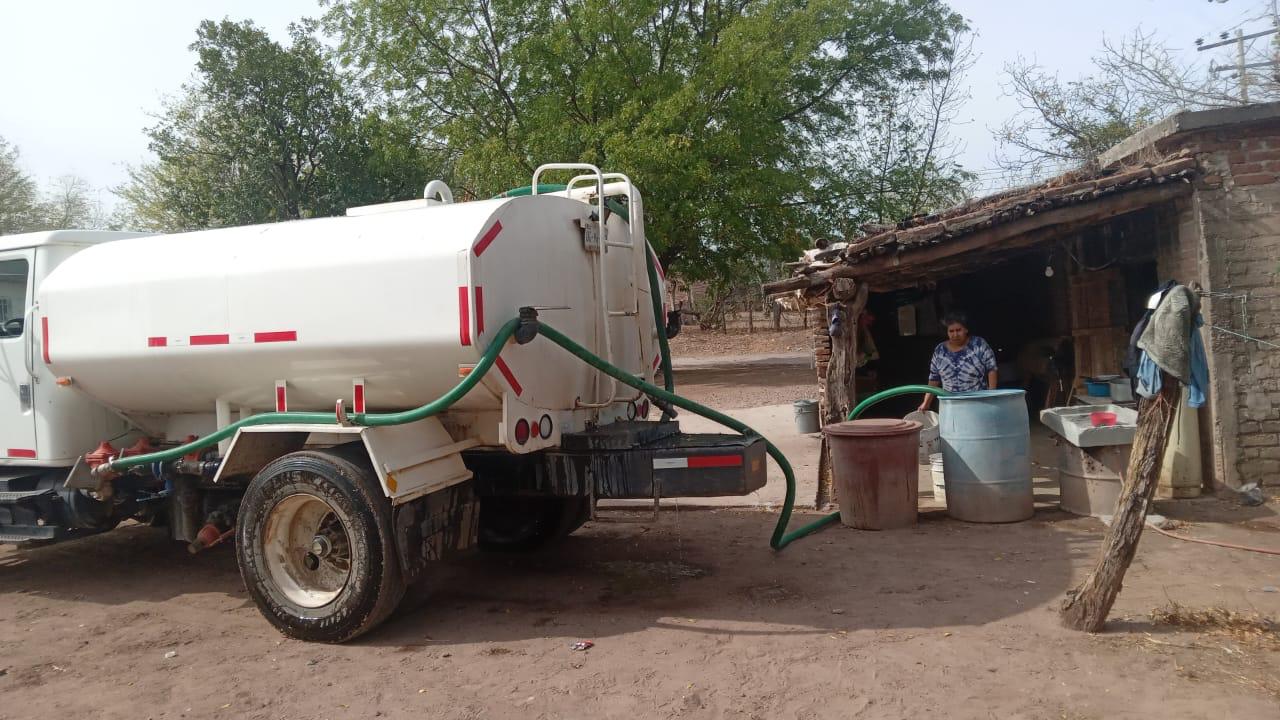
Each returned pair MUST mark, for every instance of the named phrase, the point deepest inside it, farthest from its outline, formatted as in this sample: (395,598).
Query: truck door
(17,421)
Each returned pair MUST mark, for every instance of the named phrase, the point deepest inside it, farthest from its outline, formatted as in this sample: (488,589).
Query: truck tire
(315,546)
(518,524)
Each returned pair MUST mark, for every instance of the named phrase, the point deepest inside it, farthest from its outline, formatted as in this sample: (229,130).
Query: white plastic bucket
(939,478)
(1121,390)
(930,440)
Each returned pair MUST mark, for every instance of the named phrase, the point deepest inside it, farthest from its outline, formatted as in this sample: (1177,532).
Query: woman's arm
(991,380)
(928,397)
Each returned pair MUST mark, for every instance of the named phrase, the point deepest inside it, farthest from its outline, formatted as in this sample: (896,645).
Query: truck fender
(411,460)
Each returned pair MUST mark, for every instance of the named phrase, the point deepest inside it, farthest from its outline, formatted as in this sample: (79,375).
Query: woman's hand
(924,406)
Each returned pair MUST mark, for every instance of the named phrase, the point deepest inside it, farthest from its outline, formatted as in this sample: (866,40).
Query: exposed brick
(1265,469)
(1271,452)
(1261,155)
(1246,428)
(1255,179)
(1259,440)
(1246,168)
(1237,157)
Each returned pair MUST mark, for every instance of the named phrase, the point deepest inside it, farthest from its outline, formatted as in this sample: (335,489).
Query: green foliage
(19,201)
(266,133)
(729,114)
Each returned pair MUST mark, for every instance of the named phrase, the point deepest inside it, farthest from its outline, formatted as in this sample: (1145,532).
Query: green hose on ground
(780,542)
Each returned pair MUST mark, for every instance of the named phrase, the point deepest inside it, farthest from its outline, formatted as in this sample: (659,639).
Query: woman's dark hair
(955,317)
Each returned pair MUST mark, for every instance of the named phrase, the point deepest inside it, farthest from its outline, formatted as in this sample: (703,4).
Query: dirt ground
(692,342)
(694,616)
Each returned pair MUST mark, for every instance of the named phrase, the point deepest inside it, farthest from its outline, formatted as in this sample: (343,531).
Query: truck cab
(42,433)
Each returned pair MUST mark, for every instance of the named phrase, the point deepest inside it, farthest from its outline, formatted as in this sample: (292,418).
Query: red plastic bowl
(1101,419)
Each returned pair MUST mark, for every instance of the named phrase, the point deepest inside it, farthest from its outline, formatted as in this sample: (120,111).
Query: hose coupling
(527,330)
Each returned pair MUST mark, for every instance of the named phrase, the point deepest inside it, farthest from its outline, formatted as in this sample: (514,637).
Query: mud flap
(435,527)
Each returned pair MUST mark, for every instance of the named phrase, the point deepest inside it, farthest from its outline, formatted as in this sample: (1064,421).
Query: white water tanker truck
(321,390)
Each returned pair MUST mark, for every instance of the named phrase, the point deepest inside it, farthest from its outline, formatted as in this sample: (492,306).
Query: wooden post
(839,391)
(1087,606)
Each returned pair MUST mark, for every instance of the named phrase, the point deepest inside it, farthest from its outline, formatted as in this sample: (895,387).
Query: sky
(81,79)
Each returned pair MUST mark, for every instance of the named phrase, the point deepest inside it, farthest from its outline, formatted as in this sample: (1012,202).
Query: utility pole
(1241,67)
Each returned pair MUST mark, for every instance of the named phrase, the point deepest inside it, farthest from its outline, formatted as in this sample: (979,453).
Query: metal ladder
(607,313)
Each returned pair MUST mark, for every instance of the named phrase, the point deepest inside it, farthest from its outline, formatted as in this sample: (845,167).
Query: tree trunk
(840,392)
(751,316)
(1086,607)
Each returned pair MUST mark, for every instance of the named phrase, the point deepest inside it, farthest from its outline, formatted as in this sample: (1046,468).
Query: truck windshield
(13,296)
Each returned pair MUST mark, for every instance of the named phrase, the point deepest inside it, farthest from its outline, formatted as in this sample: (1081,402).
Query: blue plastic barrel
(986,456)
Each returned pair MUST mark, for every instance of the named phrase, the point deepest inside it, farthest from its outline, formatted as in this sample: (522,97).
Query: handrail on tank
(604,271)
(631,196)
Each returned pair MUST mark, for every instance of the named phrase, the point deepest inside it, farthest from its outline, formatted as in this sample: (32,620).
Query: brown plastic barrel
(875,472)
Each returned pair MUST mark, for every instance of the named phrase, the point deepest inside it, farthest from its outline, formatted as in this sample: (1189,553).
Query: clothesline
(1245,337)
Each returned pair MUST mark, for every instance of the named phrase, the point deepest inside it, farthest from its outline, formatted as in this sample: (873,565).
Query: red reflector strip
(278,336)
(357,393)
(157,342)
(223,339)
(479,310)
(487,238)
(511,379)
(282,398)
(464,317)
(698,461)
(21,453)
(44,338)
(709,461)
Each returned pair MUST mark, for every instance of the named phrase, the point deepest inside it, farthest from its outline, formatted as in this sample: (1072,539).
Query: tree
(68,204)
(1066,124)
(264,133)
(723,111)
(18,197)
(1137,80)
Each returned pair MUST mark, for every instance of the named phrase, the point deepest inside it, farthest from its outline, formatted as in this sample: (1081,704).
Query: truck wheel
(511,524)
(315,546)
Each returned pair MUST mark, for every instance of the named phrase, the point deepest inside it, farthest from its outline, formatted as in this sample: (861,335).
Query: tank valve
(527,330)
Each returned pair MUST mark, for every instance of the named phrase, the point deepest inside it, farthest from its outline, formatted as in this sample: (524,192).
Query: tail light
(522,431)
(544,427)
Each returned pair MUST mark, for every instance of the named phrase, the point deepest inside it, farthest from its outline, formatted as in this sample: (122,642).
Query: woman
(963,363)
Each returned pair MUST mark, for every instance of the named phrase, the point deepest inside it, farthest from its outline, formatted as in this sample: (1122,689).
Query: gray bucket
(806,416)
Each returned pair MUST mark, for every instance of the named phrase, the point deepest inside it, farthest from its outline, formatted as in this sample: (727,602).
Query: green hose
(894,392)
(328,418)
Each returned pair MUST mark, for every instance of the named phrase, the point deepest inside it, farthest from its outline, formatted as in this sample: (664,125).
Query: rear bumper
(628,460)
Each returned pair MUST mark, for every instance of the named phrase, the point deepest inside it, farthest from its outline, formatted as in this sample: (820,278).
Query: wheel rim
(307,550)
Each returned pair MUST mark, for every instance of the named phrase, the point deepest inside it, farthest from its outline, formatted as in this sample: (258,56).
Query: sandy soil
(747,385)
(695,617)
(692,342)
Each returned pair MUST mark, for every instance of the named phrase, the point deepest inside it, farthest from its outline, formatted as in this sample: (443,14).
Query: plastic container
(930,440)
(986,449)
(1095,388)
(1089,479)
(1121,390)
(875,472)
(806,412)
(1102,418)
(939,477)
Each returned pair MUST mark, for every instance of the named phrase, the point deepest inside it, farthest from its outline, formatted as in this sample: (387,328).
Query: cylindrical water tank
(986,452)
(404,300)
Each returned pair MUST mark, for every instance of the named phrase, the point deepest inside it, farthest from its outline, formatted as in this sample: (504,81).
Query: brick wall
(1229,240)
